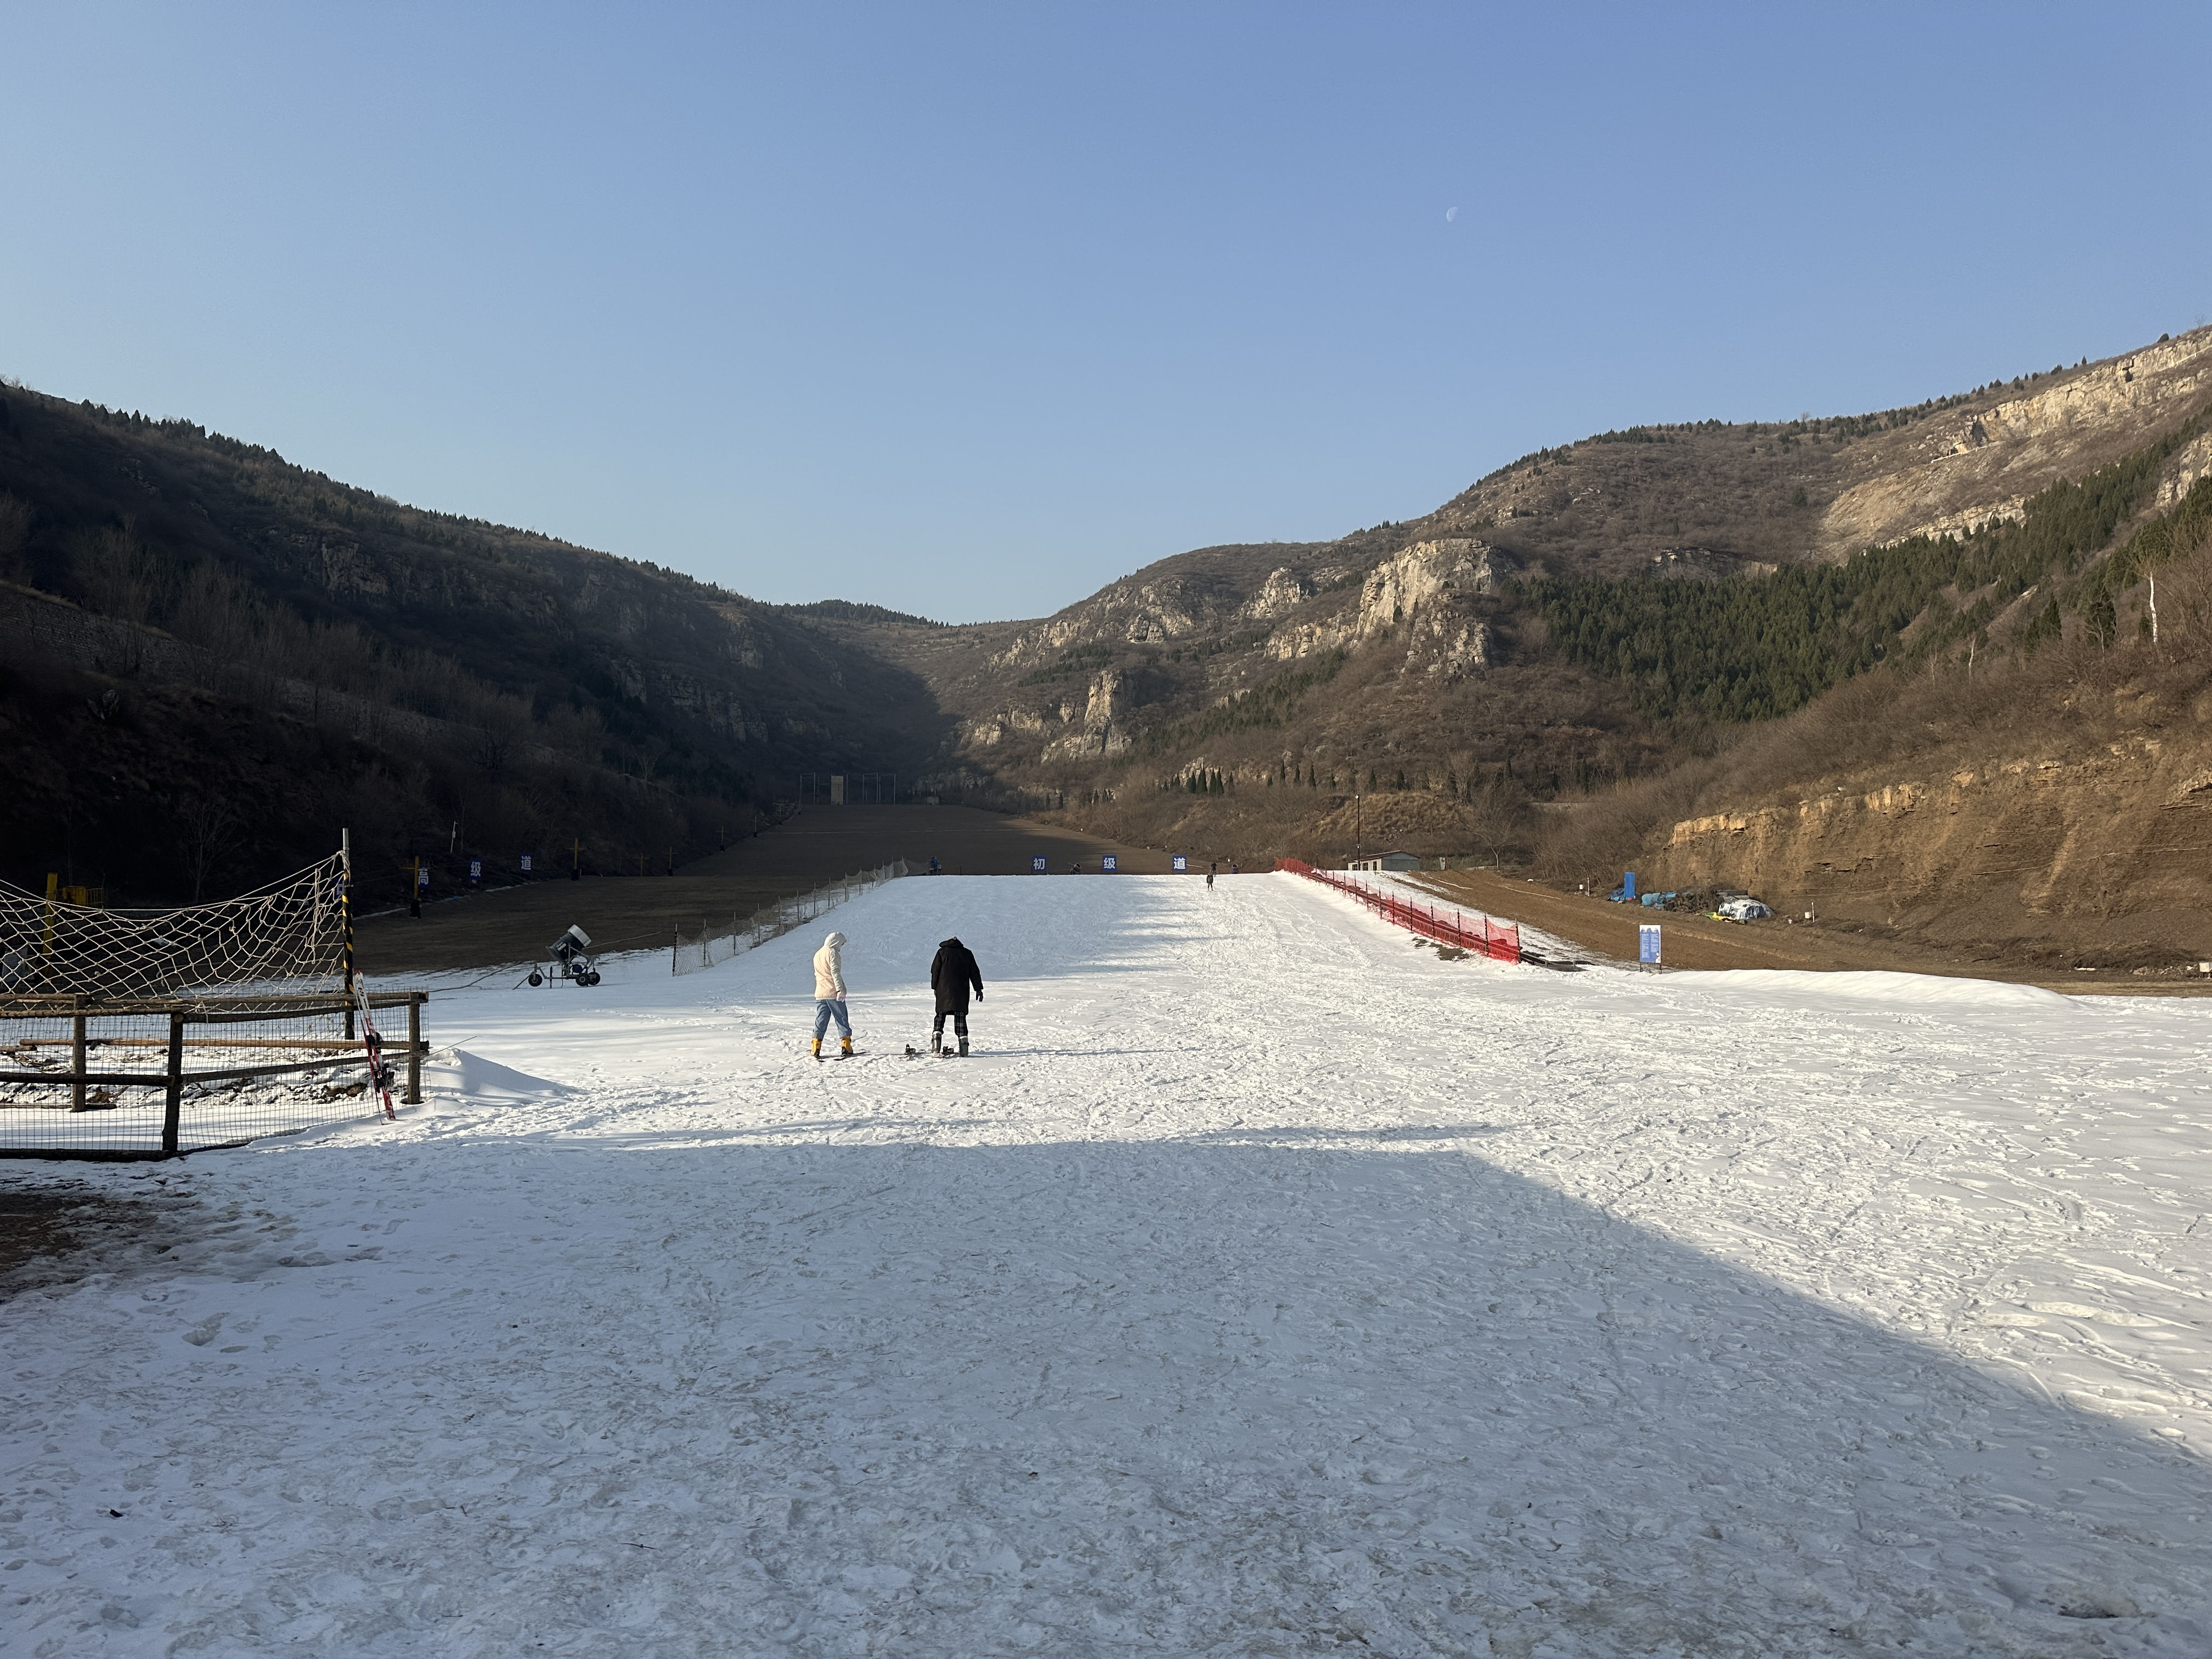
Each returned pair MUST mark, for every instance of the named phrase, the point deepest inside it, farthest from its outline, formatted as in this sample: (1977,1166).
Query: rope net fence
(708,947)
(147,1033)
(1477,934)
(291,932)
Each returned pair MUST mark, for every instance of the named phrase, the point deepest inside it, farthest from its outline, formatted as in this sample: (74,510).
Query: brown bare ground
(1693,941)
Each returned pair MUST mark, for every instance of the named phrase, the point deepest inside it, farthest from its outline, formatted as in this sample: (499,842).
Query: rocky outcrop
(2192,462)
(1063,729)
(1422,574)
(1420,592)
(1101,732)
(2112,846)
(1283,593)
(1130,612)
(1981,464)
(1968,520)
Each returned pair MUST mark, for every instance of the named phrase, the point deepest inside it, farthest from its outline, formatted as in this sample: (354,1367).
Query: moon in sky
(1450,214)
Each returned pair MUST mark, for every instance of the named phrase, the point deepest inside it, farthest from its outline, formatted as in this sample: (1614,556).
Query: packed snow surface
(1263,1286)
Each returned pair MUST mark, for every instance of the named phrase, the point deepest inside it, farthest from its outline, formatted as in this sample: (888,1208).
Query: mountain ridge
(1263,664)
(1413,657)
(532,670)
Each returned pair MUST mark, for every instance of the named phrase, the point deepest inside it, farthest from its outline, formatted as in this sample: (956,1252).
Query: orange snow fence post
(1498,940)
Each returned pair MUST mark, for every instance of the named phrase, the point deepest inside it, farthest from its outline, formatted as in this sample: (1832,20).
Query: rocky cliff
(1982,461)
(2104,859)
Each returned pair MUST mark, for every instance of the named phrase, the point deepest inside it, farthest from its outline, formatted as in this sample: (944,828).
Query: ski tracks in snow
(1263,1286)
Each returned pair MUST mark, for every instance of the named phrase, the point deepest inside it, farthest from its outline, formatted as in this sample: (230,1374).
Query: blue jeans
(827,1009)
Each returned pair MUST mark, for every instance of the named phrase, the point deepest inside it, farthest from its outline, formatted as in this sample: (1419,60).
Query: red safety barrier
(1498,940)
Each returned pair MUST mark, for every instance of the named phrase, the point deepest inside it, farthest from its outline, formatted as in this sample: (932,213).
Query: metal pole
(76,1046)
(414,1048)
(345,916)
(173,1106)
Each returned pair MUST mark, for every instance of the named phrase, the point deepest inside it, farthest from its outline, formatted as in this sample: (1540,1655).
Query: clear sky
(967,310)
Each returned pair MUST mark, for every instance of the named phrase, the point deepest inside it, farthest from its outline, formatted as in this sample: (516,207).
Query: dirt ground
(1691,941)
(631,913)
(54,1230)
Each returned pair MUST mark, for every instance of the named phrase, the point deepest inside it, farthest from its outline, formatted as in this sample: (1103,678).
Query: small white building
(1383,861)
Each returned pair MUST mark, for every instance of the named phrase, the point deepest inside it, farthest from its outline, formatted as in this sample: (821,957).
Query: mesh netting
(147,1033)
(709,946)
(146,1077)
(291,934)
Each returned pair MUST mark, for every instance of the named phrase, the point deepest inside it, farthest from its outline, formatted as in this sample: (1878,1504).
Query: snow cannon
(570,960)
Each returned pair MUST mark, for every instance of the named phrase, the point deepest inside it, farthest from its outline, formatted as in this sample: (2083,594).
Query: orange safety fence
(1498,940)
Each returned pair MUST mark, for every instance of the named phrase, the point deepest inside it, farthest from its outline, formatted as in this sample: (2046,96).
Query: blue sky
(969,310)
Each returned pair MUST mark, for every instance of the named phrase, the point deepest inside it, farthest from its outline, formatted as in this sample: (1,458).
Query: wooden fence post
(414,1048)
(174,1108)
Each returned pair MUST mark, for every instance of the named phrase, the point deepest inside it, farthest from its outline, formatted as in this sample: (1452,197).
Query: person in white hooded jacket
(830,993)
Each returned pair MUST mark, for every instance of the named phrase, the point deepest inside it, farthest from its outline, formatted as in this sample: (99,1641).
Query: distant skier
(950,975)
(830,993)
(1210,869)
(933,866)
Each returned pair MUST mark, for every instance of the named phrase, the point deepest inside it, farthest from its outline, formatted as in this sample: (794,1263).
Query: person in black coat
(950,975)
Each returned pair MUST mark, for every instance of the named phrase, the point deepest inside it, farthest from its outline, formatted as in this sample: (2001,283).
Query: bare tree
(499,739)
(115,573)
(1496,817)
(210,836)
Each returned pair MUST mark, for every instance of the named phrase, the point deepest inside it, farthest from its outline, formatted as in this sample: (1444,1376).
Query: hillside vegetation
(1744,648)
(1566,662)
(217,659)
(1589,617)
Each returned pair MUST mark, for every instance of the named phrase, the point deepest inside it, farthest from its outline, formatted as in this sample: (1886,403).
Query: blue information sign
(1037,864)
(1647,942)
(526,864)
(422,876)
(1110,864)
(476,869)
(1179,862)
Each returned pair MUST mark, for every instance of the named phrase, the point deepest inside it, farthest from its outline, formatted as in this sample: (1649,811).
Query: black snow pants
(959,1025)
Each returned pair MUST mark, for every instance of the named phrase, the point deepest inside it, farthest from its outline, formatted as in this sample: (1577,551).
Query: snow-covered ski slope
(1264,1286)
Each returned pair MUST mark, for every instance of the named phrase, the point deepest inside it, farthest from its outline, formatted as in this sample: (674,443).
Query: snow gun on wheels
(570,961)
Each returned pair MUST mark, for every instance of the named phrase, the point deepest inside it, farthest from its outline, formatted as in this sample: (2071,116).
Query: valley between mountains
(1942,671)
